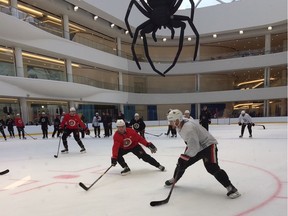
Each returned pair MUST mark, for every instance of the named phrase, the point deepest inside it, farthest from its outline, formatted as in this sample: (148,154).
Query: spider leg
(145,30)
(185,18)
(135,37)
(142,10)
(172,32)
(175,6)
(182,26)
(154,34)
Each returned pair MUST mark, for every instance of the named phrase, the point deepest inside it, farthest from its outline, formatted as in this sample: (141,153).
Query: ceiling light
(241,32)
(214,35)
(126,32)
(164,39)
(112,25)
(75,8)
(270,28)
(189,38)
(95,17)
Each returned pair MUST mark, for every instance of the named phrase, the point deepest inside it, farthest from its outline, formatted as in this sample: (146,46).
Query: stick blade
(158,203)
(83,186)
(4,172)
(55,156)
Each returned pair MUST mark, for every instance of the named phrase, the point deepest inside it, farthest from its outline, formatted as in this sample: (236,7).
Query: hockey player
(200,145)
(2,127)
(96,124)
(56,124)
(245,120)
(44,122)
(187,115)
(10,126)
(138,125)
(20,126)
(127,140)
(70,124)
(205,118)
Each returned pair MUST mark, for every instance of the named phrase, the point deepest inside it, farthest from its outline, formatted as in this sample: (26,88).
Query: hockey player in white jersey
(243,121)
(200,145)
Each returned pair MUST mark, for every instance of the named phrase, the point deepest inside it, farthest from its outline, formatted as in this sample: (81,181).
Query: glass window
(7,63)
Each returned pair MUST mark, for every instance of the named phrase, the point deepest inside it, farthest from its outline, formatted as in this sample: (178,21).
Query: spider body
(160,13)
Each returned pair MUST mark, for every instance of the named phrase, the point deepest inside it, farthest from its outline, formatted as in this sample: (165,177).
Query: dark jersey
(137,125)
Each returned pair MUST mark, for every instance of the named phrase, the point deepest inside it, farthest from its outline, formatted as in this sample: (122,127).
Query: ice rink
(40,185)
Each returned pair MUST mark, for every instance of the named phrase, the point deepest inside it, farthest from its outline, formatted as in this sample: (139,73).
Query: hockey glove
(152,148)
(60,130)
(87,131)
(113,161)
(183,161)
(239,123)
(253,124)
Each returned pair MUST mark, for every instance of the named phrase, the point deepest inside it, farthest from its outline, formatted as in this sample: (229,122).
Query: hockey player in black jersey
(138,125)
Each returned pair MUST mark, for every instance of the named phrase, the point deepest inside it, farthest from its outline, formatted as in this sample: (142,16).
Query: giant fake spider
(160,13)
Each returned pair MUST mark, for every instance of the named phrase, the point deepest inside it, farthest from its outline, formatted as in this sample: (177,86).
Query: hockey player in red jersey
(70,124)
(127,140)
(20,126)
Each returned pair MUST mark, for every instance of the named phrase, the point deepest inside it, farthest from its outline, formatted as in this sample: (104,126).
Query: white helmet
(175,114)
(120,123)
(136,114)
(72,109)
(187,112)
(43,113)
(242,112)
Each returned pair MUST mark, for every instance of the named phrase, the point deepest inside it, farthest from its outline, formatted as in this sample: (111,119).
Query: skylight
(204,3)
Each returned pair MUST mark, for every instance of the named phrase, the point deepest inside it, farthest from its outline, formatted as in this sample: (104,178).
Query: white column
(69,70)
(24,109)
(119,48)
(66,26)
(19,62)
(14,9)
(121,106)
(267,43)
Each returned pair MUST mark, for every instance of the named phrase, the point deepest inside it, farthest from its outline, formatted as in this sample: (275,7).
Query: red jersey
(72,122)
(128,140)
(19,122)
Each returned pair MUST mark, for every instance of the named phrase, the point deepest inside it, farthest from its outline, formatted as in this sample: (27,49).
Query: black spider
(160,13)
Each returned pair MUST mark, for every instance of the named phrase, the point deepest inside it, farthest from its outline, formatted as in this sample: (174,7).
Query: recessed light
(164,39)
(189,38)
(241,32)
(214,35)
(112,25)
(76,8)
(95,17)
(269,28)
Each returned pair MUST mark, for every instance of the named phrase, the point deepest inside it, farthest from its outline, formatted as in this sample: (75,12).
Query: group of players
(200,144)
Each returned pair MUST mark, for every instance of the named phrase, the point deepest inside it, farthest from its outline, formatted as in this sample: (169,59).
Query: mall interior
(57,54)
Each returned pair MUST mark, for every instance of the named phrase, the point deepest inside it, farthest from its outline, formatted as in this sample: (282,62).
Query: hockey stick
(87,188)
(4,172)
(261,126)
(157,135)
(29,135)
(165,201)
(56,156)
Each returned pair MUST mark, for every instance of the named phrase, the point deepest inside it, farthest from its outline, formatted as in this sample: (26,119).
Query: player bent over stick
(127,140)
(70,124)
(200,145)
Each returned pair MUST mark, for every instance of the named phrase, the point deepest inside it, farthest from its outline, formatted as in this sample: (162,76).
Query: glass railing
(93,43)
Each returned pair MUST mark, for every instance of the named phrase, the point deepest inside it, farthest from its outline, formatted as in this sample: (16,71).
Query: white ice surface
(40,185)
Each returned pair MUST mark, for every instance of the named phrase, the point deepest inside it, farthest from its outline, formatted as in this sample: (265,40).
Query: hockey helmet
(72,109)
(175,114)
(120,123)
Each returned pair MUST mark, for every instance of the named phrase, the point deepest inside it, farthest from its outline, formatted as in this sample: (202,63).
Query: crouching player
(127,140)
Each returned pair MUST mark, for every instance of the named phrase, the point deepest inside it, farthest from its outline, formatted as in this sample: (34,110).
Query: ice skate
(232,192)
(162,168)
(169,182)
(126,171)
(83,150)
(64,151)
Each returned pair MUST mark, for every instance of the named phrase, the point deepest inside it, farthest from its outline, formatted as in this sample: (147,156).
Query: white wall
(208,20)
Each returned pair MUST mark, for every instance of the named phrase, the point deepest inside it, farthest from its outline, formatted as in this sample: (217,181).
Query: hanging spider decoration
(160,13)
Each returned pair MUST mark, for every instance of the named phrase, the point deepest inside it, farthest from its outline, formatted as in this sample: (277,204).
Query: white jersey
(196,137)
(96,121)
(246,119)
